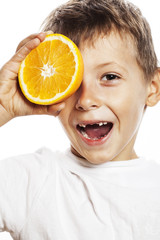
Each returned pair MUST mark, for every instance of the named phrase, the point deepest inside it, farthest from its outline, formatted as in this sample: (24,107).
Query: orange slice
(51,72)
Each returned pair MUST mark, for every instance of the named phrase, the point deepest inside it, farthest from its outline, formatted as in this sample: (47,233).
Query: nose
(88,98)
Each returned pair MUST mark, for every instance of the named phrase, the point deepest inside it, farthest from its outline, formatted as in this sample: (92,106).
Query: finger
(24,41)
(55,109)
(10,69)
(41,36)
(14,63)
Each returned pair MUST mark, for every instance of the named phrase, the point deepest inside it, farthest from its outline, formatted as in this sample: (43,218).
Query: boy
(100,189)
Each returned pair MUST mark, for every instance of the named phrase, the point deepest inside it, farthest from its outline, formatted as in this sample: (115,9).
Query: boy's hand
(12,101)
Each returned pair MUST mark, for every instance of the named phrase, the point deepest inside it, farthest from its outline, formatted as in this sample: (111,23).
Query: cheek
(66,113)
(126,101)
(130,111)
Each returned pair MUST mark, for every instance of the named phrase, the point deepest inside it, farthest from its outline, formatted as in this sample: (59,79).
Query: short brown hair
(80,20)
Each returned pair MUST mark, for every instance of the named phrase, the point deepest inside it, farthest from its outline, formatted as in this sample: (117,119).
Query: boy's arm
(12,101)
(16,187)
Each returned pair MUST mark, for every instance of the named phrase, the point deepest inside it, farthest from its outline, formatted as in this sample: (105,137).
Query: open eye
(110,77)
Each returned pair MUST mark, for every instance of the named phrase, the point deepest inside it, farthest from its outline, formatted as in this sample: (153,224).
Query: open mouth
(96,131)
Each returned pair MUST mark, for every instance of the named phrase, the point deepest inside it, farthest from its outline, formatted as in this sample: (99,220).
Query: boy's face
(102,118)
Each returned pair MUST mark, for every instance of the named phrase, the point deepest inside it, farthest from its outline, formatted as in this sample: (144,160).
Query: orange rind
(51,72)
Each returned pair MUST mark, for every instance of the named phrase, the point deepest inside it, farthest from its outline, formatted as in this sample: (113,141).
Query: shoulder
(151,172)
(27,174)
(31,168)
(152,163)
(22,178)
(39,160)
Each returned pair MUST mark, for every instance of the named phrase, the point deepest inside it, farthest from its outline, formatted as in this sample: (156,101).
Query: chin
(96,157)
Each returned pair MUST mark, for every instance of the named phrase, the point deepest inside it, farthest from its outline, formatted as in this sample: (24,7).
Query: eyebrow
(111,63)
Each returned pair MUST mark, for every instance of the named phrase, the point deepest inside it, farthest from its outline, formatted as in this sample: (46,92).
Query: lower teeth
(86,136)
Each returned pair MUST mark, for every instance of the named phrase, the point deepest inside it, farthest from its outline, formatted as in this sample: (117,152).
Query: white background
(19,19)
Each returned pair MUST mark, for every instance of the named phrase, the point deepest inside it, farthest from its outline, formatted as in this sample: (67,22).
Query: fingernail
(61,107)
(49,32)
(58,112)
(42,33)
(41,36)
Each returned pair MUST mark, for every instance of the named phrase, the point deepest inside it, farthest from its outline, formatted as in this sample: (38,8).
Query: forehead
(114,47)
(113,33)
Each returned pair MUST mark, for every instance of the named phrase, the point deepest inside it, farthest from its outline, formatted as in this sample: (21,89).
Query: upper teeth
(100,124)
(82,125)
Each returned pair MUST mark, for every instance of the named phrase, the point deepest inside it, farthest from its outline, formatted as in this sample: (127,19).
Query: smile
(94,133)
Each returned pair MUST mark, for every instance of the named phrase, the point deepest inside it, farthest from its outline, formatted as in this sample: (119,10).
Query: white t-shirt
(58,196)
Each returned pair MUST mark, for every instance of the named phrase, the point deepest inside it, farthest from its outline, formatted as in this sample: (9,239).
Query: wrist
(4,116)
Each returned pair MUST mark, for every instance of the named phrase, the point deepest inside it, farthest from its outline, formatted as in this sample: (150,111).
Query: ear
(154,90)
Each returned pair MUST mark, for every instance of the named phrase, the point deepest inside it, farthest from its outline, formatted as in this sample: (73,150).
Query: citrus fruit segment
(51,72)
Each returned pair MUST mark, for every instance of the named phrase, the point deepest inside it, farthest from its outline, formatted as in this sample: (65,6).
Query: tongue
(96,131)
